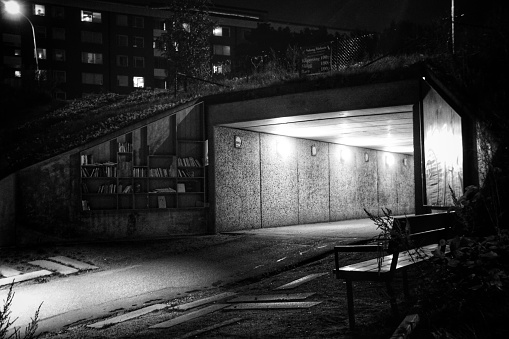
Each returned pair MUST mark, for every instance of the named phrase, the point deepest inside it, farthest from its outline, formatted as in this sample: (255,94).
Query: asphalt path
(249,254)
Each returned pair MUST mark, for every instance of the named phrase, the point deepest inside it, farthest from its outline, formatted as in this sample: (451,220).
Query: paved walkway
(95,294)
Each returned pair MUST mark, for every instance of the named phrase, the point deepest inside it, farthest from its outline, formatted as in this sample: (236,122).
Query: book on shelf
(188,162)
(128,189)
(161,201)
(125,147)
(87,159)
(181,188)
(164,190)
(120,188)
(84,205)
(84,188)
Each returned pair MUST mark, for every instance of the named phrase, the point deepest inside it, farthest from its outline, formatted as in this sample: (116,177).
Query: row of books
(112,188)
(139,172)
(188,162)
(125,147)
(100,170)
(87,159)
(185,173)
(163,172)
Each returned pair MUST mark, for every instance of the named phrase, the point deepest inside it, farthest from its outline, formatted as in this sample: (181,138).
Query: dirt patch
(325,320)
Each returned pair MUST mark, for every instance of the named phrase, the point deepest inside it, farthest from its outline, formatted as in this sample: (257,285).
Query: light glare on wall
(345,154)
(283,147)
(389,159)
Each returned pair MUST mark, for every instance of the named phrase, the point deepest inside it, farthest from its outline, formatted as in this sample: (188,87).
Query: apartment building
(97,46)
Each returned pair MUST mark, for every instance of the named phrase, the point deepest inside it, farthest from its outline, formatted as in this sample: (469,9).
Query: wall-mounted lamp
(366,157)
(237,142)
(313,150)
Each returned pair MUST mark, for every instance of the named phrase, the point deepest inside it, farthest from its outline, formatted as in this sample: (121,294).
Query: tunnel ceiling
(386,128)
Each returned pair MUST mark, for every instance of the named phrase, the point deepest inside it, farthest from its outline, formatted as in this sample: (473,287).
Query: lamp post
(12,7)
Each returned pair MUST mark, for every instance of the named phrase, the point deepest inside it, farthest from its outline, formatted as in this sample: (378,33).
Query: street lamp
(12,7)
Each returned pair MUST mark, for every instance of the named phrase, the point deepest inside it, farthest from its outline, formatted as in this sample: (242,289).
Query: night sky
(373,15)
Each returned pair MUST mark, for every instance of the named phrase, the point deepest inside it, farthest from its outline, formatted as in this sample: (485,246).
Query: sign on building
(316,59)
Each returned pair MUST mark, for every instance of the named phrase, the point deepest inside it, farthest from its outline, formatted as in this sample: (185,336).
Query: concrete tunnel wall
(256,187)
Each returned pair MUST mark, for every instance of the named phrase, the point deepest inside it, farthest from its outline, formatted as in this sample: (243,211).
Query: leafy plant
(6,322)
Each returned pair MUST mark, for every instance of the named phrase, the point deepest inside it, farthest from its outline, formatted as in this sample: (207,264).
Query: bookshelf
(158,166)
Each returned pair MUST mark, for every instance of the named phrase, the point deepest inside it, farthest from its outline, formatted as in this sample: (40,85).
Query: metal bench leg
(392,296)
(349,296)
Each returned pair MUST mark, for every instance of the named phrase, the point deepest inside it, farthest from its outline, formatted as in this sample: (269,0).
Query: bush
(6,322)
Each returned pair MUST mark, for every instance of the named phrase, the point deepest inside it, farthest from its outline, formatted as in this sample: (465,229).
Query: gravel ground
(329,319)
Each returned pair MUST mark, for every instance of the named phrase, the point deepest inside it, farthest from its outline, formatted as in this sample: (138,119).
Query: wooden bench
(424,233)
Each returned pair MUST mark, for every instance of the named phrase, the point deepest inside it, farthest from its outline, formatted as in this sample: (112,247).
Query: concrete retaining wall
(257,186)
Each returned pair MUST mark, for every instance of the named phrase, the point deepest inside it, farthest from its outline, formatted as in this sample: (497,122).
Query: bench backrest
(425,229)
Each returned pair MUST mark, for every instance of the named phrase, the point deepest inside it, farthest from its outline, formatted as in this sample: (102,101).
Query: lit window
(92,37)
(59,55)
(138,42)
(41,53)
(221,50)
(221,31)
(58,33)
(122,40)
(121,20)
(92,58)
(89,16)
(17,74)
(59,77)
(122,60)
(139,62)
(138,22)
(92,78)
(138,82)
(217,69)
(122,80)
(39,10)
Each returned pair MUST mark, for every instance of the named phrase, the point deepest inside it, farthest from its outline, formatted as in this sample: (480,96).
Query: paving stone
(200,302)
(300,281)
(25,277)
(8,272)
(128,316)
(50,265)
(276,305)
(273,297)
(82,266)
(190,316)
(210,328)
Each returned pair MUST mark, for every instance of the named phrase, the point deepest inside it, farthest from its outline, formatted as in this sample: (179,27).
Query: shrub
(6,322)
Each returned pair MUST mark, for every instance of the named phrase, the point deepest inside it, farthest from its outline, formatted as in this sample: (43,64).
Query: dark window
(122,61)
(58,12)
(122,40)
(40,32)
(121,20)
(139,22)
(58,33)
(138,42)
(59,55)
(139,62)
(92,37)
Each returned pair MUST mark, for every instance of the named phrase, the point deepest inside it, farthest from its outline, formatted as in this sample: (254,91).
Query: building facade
(92,46)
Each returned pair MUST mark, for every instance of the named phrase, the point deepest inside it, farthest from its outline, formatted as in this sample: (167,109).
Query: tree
(186,42)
